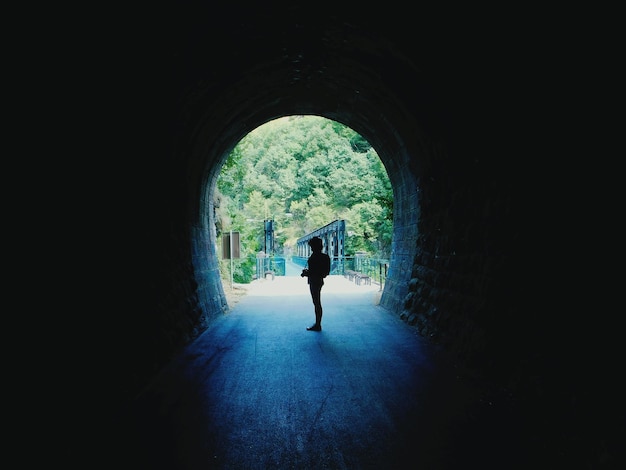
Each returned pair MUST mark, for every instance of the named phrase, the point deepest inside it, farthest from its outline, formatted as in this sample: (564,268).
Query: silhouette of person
(318,267)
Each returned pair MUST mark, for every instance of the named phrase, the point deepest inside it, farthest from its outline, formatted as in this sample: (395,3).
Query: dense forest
(303,172)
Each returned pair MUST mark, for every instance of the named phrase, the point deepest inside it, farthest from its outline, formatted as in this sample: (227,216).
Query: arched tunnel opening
(393,292)
(294,177)
(450,116)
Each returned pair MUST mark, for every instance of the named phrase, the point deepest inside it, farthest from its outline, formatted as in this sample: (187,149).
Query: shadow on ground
(257,391)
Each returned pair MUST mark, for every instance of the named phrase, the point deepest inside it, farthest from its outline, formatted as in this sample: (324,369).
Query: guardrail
(270,266)
(361,270)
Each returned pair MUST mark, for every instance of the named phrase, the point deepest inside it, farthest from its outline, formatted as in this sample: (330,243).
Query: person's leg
(317,303)
(318,308)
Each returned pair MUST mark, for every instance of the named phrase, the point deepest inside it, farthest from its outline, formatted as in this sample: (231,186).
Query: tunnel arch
(459,108)
(379,118)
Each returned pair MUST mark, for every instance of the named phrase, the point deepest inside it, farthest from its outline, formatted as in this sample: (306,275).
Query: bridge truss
(333,238)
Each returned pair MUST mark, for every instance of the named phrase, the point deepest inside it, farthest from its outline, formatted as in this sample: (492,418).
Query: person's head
(315,243)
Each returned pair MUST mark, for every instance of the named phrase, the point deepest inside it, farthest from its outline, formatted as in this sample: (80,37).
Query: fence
(355,267)
(271,265)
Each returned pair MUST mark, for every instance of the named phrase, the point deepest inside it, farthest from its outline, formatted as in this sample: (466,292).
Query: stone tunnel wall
(462,273)
(447,271)
(457,291)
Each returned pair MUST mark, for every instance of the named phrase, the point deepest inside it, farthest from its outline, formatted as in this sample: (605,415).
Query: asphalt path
(258,391)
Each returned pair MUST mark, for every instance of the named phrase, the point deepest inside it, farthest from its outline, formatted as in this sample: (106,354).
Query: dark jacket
(319,268)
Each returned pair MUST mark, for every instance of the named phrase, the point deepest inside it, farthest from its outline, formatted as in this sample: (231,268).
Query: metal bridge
(333,237)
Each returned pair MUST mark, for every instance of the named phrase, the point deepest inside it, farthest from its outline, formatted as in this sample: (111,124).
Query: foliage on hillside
(303,172)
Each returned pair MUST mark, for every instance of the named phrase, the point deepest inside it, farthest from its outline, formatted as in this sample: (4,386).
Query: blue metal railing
(272,264)
(376,268)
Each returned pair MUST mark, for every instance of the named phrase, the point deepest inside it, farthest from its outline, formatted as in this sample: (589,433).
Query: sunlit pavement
(287,285)
(258,391)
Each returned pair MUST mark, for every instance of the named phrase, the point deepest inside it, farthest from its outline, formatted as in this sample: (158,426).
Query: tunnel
(449,108)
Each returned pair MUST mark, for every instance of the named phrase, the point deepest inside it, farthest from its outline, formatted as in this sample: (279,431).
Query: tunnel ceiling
(359,71)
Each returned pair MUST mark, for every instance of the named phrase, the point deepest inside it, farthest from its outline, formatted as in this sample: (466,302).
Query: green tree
(304,172)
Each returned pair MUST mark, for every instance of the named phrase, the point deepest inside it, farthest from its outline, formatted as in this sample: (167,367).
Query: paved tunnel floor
(259,391)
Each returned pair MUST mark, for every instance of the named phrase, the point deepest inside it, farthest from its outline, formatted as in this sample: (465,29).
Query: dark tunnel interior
(454,109)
